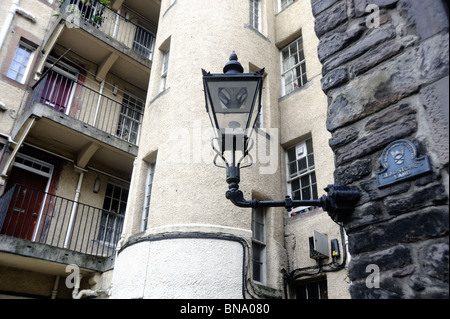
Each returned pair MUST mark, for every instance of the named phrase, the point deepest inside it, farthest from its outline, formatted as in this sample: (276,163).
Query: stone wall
(385,72)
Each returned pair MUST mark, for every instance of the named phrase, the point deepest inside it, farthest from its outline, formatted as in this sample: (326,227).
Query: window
(293,68)
(60,85)
(144,42)
(148,194)
(114,206)
(162,84)
(255,14)
(21,63)
(130,118)
(301,177)
(258,244)
(312,289)
(284,3)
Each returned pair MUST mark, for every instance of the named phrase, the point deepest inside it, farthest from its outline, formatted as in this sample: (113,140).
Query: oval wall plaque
(400,162)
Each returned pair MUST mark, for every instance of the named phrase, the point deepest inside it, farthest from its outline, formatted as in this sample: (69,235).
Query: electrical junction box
(335,248)
(318,246)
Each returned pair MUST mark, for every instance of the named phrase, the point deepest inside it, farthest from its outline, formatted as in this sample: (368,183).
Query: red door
(25,203)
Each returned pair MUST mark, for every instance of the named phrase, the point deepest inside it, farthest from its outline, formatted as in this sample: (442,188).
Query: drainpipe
(77,294)
(55,287)
(9,18)
(75,206)
(99,101)
(89,292)
(8,21)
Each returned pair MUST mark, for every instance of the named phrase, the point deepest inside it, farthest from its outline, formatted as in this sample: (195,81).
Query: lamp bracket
(339,203)
(249,143)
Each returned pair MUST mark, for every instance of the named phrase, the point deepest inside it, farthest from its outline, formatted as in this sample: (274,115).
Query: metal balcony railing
(41,217)
(110,23)
(71,97)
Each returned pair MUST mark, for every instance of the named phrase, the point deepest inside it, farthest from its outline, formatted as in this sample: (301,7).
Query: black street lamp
(233,102)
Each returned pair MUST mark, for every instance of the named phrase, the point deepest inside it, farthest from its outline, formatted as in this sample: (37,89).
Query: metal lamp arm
(339,203)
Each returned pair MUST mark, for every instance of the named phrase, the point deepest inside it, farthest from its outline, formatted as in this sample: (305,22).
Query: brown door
(25,203)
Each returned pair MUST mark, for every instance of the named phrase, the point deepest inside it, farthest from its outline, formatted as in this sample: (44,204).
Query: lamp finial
(233,66)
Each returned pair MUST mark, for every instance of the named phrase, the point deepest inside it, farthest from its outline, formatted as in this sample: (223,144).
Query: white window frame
(301,153)
(148,195)
(164,68)
(289,76)
(255,14)
(67,71)
(282,4)
(102,236)
(260,242)
(128,126)
(139,44)
(22,46)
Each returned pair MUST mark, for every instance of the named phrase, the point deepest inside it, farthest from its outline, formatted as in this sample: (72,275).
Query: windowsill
(295,91)
(265,291)
(313,212)
(163,92)
(256,31)
(285,8)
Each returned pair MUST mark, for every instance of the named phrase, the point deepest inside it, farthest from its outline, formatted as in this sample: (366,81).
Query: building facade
(106,161)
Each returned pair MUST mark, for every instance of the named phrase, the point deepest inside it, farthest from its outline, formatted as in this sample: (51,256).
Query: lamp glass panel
(232,102)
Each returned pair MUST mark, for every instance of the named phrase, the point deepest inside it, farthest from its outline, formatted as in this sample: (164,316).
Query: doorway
(28,182)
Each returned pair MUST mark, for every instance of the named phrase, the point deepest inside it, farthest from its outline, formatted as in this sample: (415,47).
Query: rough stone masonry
(386,74)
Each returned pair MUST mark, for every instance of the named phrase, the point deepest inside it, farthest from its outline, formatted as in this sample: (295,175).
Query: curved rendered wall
(197,244)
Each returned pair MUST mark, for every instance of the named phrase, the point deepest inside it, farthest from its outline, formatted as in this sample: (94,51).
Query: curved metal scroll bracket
(246,153)
(218,154)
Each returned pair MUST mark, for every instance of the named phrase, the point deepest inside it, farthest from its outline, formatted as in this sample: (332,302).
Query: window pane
(257,271)
(310,160)
(291,154)
(301,55)
(295,185)
(306,193)
(305,181)
(304,79)
(257,257)
(302,164)
(314,194)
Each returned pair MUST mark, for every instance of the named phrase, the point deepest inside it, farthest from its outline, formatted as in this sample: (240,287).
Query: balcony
(44,218)
(68,95)
(93,14)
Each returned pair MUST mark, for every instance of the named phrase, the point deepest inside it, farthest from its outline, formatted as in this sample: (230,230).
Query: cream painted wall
(188,188)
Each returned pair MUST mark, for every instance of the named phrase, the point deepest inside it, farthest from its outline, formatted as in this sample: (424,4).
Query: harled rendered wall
(188,204)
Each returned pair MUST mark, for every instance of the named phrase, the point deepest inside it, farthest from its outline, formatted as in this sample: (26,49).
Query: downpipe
(78,294)
(9,18)
(74,209)
(90,293)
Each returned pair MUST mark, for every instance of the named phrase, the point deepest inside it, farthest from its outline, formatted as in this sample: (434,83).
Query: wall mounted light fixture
(233,102)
